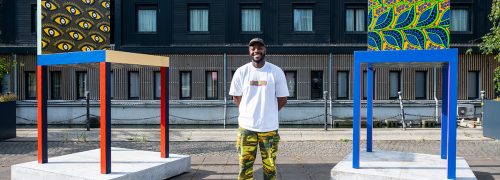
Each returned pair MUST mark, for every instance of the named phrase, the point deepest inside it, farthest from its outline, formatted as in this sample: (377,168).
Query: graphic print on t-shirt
(258,83)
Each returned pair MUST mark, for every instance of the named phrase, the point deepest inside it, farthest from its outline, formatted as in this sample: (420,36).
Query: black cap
(256,40)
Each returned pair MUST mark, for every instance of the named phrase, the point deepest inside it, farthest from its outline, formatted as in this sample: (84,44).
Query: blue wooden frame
(449,58)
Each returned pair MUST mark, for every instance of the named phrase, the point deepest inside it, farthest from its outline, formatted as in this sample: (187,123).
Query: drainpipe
(330,87)
(14,56)
(225,89)
(435,98)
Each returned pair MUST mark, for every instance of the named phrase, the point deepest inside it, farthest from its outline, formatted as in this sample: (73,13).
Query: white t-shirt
(259,89)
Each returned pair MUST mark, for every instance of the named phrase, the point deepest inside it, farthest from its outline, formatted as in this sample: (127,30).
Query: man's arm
(281,102)
(237,100)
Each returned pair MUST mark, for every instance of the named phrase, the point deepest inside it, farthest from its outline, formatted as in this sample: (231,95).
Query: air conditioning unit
(465,111)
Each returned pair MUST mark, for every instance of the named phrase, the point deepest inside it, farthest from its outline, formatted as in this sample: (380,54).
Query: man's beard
(262,56)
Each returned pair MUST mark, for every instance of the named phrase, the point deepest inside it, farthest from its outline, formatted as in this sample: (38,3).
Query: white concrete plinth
(385,165)
(126,164)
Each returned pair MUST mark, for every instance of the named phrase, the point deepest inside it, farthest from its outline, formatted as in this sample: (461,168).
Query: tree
(491,41)
(4,68)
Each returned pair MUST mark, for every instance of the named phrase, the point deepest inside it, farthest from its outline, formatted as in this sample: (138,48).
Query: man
(259,90)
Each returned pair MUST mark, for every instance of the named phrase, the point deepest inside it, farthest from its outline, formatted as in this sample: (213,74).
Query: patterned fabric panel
(408,24)
(77,25)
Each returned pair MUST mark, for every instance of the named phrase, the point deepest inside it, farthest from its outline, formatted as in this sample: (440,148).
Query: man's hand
(237,100)
(281,102)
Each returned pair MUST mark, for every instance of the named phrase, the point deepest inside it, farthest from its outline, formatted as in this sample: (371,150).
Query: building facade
(312,41)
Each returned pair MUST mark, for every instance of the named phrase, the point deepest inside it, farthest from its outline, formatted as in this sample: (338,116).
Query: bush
(8,97)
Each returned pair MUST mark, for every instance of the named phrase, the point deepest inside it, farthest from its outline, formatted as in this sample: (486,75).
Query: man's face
(257,51)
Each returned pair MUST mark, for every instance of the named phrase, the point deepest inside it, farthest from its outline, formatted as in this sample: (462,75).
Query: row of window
(355,19)
(212,82)
(302,19)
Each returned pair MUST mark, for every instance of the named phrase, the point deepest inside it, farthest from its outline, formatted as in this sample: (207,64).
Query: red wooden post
(164,130)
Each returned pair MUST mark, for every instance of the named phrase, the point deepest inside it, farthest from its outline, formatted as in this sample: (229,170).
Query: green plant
(491,41)
(82,137)
(8,97)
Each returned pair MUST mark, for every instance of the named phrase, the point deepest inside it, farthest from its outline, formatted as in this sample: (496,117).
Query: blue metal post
(369,107)
(444,111)
(452,116)
(356,114)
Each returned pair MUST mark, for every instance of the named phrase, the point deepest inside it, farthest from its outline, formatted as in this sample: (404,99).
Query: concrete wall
(212,112)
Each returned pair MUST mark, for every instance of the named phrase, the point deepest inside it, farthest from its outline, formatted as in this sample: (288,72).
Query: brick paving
(296,160)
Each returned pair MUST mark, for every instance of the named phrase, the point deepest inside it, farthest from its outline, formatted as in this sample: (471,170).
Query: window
(185,85)
(55,85)
(394,84)
(343,85)
(355,19)
(146,18)
(420,85)
(473,84)
(250,20)
(303,19)
(198,19)
(133,85)
(33,18)
(30,85)
(5,84)
(212,85)
(291,82)
(81,84)
(365,84)
(317,85)
(460,20)
(157,85)
(112,84)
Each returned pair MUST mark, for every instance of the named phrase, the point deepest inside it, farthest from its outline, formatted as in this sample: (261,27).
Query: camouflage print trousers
(247,143)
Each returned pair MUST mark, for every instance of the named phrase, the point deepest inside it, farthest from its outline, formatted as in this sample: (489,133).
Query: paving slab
(126,164)
(392,165)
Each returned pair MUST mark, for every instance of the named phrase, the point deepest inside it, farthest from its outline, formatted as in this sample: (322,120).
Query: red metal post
(105,117)
(164,130)
(41,84)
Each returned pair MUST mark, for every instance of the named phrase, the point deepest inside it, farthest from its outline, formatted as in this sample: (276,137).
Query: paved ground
(300,156)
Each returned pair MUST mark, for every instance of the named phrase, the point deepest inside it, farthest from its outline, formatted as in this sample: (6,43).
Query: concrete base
(125,164)
(381,165)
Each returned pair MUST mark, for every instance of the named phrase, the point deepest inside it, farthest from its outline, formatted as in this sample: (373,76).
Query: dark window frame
(425,85)
(321,84)
(355,6)
(34,20)
(197,7)
(78,84)
(145,6)
(399,84)
(26,85)
(478,85)
(112,87)
(216,84)
(156,85)
(250,6)
(347,85)
(52,85)
(469,8)
(190,85)
(295,89)
(303,6)
(129,87)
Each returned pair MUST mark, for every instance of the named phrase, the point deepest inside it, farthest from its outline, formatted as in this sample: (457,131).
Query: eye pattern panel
(77,25)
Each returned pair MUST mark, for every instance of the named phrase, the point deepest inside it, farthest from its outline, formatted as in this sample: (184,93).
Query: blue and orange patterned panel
(408,24)
(76,25)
